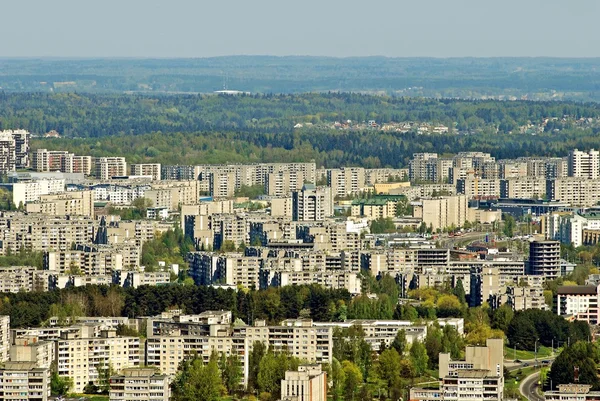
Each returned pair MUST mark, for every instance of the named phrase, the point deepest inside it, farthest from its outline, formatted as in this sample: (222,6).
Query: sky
(206,28)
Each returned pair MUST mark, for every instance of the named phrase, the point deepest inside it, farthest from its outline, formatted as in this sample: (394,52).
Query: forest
(535,78)
(194,129)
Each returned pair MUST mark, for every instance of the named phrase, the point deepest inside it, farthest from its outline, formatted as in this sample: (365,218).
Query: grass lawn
(509,353)
(90,397)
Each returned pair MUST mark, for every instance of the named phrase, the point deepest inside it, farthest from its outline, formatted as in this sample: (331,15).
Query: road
(529,387)
(451,242)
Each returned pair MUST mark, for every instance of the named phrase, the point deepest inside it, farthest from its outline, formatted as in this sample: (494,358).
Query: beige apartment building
(96,260)
(584,164)
(443,212)
(72,203)
(108,167)
(44,160)
(523,188)
(478,187)
(173,194)
(140,384)
(32,349)
(149,169)
(312,203)
(479,375)
(80,355)
(346,181)
(43,233)
(575,190)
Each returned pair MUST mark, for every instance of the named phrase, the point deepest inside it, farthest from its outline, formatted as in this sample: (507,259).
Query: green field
(543,352)
(90,397)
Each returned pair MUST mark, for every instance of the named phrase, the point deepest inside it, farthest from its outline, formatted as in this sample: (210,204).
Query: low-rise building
(24,381)
(140,384)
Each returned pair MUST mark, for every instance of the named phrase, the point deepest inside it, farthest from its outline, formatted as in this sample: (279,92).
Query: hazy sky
(203,28)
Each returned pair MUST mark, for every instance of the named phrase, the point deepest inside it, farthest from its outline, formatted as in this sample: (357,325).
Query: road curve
(529,387)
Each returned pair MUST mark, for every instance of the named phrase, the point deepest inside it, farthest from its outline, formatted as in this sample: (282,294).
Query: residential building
(544,258)
(32,349)
(479,375)
(346,181)
(109,167)
(4,338)
(24,381)
(81,354)
(72,203)
(7,152)
(148,169)
(478,187)
(135,384)
(420,167)
(312,203)
(442,212)
(523,188)
(308,383)
(584,164)
(577,191)
(222,185)
(579,302)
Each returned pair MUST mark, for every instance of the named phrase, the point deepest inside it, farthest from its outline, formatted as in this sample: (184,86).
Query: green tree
(60,385)
(389,366)
(418,357)
(338,378)
(509,225)
(399,343)
(353,380)
(459,291)
(502,317)
(258,352)
(197,381)
(231,372)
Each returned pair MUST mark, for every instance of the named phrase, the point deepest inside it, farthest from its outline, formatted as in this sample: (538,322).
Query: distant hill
(470,78)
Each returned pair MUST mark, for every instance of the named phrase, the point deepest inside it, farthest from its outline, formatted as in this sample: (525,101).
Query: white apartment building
(147,169)
(140,384)
(579,301)
(25,192)
(32,349)
(442,212)
(72,203)
(108,167)
(24,381)
(584,164)
(4,338)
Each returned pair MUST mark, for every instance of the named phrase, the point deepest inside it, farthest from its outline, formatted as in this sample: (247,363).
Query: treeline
(88,115)
(275,304)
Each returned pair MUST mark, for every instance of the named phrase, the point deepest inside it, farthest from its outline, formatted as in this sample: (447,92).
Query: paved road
(451,242)
(529,387)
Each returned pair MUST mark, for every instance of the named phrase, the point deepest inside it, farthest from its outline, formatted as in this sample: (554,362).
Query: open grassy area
(90,397)
(509,353)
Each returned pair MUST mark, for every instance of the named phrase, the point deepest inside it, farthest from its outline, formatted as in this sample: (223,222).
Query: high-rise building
(584,164)
(4,338)
(108,167)
(346,181)
(312,203)
(7,152)
(544,258)
(21,148)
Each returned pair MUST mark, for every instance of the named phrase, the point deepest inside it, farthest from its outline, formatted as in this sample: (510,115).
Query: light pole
(535,350)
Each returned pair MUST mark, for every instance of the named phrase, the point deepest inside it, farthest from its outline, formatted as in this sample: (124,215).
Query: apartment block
(385,175)
(140,383)
(44,160)
(312,203)
(479,375)
(478,188)
(512,169)
(16,279)
(346,181)
(584,164)
(81,355)
(43,233)
(579,301)
(109,167)
(24,381)
(576,191)
(544,258)
(72,203)
(572,392)
(88,260)
(222,185)
(4,338)
(283,183)
(523,188)
(32,349)
(523,298)
(420,167)
(180,173)
(308,383)
(7,152)
(442,212)
(148,169)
